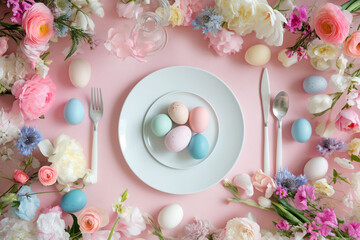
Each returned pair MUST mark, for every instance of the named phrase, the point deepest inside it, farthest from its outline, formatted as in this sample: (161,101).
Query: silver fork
(96,113)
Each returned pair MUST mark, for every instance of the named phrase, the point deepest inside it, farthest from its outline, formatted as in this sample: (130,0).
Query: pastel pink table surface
(116,78)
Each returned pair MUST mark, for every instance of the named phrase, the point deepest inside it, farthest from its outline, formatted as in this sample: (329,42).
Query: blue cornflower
(28,140)
(61,30)
(208,20)
(328,145)
(28,204)
(289,181)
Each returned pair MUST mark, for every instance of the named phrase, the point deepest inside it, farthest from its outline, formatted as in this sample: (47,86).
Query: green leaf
(124,196)
(42,117)
(355,158)
(74,231)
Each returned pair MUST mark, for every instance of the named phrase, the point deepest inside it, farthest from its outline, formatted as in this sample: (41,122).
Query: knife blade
(265,99)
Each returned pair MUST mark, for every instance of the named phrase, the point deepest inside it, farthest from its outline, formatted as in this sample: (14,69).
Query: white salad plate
(196,87)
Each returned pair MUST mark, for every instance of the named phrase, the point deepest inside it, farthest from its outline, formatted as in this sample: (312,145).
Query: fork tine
(92,99)
(101,101)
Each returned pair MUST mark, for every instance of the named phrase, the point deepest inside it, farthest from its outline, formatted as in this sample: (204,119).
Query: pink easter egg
(178,138)
(199,119)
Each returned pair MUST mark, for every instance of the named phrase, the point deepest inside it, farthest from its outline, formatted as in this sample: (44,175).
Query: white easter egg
(258,55)
(316,168)
(79,72)
(170,216)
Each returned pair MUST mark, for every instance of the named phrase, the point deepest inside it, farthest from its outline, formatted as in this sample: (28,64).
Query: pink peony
(35,96)
(263,183)
(225,42)
(20,177)
(301,196)
(47,175)
(351,46)
(332,24)
(91,219)
(3,45)
(128,10)
(38,25)
(348,121)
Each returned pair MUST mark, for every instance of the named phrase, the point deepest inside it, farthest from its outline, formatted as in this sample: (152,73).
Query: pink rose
(348,121)
(225,42)
(3,45)
(47,175)
(351,45)
(91,219)
(332,24)
(128,10)
(263,183)
(35,96)
(20,177)
(38,24)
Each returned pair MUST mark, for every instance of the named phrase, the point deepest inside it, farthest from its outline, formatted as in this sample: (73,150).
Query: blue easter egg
(198,147)
(73,201)
(74,111)
(314,84)
(301,130)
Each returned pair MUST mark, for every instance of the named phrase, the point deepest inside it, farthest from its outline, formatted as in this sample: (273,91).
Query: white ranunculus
(285,60)
(16,228)
(50,225)
(67,158)
(320,64)
(82,21)
(269,24)
(264,202)
(321,186)
(339,83)
(243,181)
(322,54)
(344,163)
(319,103)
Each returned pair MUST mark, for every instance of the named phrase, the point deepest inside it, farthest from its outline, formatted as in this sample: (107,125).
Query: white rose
(339,83)
(285,60)
(319,103)
(321,186)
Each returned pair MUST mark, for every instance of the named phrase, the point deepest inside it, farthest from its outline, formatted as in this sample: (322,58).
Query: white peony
(344,163)
(242,228)
(319,103)
(16,228)
(12,68)
(321,186)
(67,158)
(51,226)
(339,83)
(321,54)
(285,60)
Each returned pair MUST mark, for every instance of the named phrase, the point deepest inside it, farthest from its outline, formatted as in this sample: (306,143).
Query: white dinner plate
(229,140)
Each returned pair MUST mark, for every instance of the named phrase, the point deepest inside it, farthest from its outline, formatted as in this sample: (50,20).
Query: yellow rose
(354,147)
(321,186)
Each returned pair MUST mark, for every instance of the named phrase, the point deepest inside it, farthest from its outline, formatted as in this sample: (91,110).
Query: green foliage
(335,97)
(337,177)
(74,231)
(11,30)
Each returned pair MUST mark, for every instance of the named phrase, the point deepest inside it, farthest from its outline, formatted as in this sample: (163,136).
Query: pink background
(116,78)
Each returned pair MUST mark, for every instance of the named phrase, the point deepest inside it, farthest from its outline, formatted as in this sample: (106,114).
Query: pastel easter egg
(161,124)
(74,111)
(178,112)
(198,147)
(314,84)
(73,201)
(170,216)
(316,168)
(258,55)
(79,72)
(301,130)
(178,138)
(199,119)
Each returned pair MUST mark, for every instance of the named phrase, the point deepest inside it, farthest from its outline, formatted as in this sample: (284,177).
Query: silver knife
(265,99)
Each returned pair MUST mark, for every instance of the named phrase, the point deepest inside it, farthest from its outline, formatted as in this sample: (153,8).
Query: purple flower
(328,145)
(18,8)
(200,229)
(281,192)
(284,225)
(289,181)
(301,196)
(297,17)
(326,220)
(353,229)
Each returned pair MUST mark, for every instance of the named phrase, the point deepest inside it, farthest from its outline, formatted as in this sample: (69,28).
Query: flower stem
(41,193)
(113,228)
(10,179)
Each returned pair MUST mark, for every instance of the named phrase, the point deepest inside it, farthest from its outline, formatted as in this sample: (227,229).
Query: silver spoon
(280,108)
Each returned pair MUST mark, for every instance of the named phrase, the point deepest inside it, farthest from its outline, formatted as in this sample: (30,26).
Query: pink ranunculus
(20,177)
(47,175)
(38,24)
(33,52)
(91,219)
(351,46)
(263,183)
(332,24)
(348,121)
(225,42)
(303,192)
(35,96)
(128,10)
(3,45)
